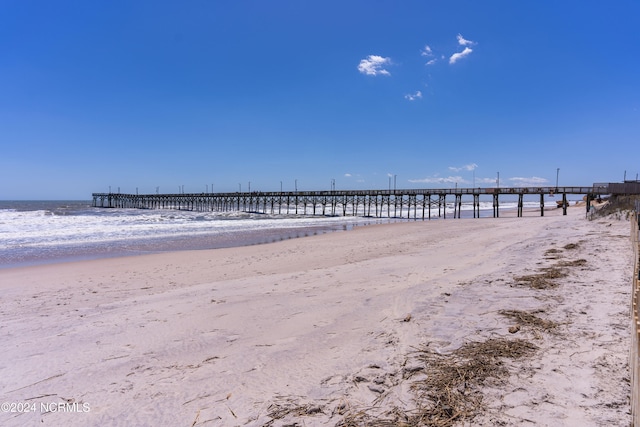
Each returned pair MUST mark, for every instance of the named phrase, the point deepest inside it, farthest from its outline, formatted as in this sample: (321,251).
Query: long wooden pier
(408,203)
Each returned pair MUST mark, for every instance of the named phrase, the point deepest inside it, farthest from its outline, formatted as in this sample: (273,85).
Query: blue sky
(165,94)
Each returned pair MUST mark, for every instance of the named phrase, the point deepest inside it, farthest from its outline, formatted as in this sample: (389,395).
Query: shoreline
(252,334)
(237,238)
(153,246)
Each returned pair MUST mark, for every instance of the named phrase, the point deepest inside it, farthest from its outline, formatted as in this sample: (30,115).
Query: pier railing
(634,362)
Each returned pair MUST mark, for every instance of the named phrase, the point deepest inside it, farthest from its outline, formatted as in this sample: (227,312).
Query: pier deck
(408,203)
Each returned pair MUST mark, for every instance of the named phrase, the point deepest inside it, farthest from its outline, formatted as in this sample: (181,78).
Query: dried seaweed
(289,407)
(575,263)
(451,389)
(530,319)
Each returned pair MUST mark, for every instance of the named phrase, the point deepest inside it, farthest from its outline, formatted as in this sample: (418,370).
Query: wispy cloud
(414,96)
(373,65)
(469,167)
(528,181)
(440,180)
(428,52)
(463,42)
(489,181)
(451,180)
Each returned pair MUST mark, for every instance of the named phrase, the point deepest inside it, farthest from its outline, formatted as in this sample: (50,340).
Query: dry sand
(326,330)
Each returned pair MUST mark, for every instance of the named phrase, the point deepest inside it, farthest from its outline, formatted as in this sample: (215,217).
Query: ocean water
(39,232)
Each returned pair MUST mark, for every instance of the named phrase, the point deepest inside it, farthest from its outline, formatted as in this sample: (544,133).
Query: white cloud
(440,180)
(459,55)
(452,180)
(372,65)
(428,52)
(469,167)
(463,42)
(490,181)
(528,181)
(413,97)
(354,177)
(465,52)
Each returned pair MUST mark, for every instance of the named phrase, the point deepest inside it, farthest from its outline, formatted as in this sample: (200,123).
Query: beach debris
(530,319)
(232,413)
(448,390)
(288,407)
(553,253)
(542,280)
(514,329)
(535,281)
(407,318)
(575,263)
(447,387)
(408,371)
(196,420)
(451,391)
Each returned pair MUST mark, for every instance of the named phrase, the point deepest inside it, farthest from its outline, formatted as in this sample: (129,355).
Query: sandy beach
(335,329)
